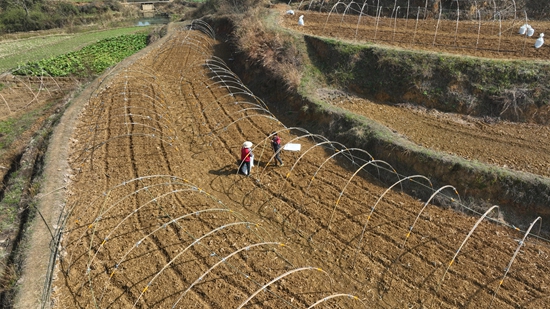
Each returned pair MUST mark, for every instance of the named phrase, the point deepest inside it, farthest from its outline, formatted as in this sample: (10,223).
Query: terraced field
(517,146)
(488,38)
(157,215)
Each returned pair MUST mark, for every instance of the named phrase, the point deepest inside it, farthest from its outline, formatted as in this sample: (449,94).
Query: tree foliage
(31,15)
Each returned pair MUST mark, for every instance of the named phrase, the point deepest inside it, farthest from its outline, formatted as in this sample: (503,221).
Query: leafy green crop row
(92,59)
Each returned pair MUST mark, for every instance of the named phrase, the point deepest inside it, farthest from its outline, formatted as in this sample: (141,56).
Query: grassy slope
(474,86)
(42,47)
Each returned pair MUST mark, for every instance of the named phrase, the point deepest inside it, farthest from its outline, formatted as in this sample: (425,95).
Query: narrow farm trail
(158,216)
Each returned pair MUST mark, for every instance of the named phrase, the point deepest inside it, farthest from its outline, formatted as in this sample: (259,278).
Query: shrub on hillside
(239,6)
(16,19)
(37,20)
(113,5)
(66,8)
(274,50)
(227,7)
(93,8)
(13,19)
(42,16)
(538,8)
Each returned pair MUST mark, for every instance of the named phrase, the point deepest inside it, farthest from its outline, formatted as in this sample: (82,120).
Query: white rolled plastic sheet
(292,147)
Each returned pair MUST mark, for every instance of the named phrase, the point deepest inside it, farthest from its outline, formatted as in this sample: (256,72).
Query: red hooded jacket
(245,154)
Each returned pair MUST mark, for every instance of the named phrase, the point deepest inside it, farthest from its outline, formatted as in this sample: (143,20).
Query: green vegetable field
(44,46)
(92,59)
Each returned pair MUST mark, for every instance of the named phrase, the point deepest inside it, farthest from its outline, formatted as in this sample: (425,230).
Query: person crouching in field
(247,158)
(276,145)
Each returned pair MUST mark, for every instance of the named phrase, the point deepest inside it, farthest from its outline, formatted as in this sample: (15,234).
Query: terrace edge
(522,196)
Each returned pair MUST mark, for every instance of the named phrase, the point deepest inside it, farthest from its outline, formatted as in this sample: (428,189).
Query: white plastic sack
(292,147)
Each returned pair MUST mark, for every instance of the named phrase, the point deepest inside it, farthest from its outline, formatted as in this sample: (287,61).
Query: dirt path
(50,204)
(29,107)
(159,217)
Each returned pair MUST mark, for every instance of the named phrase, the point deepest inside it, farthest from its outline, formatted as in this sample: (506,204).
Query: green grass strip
(14,53)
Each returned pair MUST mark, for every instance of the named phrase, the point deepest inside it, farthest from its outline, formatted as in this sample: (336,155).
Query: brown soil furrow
(165,62)
(321,222)
(456,135)
(381,236)
(230,282)
(508,46)
(345,207)
(130,162)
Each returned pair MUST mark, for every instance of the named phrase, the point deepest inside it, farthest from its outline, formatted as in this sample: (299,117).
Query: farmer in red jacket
(276,145)
(246,158)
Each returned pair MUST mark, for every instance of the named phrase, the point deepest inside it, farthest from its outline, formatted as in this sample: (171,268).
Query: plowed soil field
(465,38)
(516,146)
(158,216)
(19,97)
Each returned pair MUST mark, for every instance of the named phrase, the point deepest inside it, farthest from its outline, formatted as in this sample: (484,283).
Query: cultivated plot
(157,215)
(466,33)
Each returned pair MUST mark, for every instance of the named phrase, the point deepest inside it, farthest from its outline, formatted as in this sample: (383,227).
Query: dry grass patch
(274,50)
